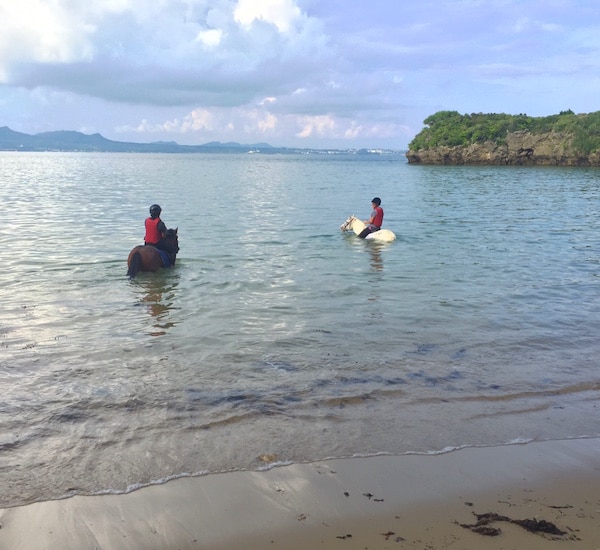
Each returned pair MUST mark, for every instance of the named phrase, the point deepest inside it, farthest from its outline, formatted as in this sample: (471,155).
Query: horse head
(173,238)
(347,225)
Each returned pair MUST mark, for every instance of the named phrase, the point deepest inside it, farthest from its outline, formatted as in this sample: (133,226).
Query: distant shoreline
(76,142)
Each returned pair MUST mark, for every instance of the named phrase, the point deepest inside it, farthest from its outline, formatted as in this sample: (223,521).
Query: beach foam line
(452,500)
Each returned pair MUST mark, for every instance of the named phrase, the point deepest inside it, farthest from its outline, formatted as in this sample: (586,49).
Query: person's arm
(162,228)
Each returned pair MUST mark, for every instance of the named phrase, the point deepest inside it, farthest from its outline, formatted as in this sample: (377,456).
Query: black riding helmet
(155,210)
(376,201)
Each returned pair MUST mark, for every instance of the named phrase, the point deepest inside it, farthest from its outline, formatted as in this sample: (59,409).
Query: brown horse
(150,258)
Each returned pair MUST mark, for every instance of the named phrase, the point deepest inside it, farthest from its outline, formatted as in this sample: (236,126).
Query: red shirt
(153,234)
(378,219)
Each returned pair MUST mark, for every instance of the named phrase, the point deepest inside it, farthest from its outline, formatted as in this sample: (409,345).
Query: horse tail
(135,265)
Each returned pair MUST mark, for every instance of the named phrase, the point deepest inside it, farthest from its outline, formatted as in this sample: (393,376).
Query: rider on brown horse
(149,258)
(156,231)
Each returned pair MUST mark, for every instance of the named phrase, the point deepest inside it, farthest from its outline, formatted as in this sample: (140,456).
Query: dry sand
(424,502)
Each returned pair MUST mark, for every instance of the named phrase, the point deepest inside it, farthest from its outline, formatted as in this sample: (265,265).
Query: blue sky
(295,73)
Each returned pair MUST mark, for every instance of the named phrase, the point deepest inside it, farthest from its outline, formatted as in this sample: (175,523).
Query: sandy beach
(536,495)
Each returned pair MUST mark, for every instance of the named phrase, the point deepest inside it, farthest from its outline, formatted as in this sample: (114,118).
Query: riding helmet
(377,201)
(155,210)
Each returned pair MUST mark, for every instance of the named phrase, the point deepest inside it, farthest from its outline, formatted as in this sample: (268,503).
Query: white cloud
(163,52)
(269,122)
(527,24)
(38,31)
(354,131)
(211,124)
(261,124)
(198,120)
(143,127)
(345,130)
(281,13)
(322,125)
(210,37)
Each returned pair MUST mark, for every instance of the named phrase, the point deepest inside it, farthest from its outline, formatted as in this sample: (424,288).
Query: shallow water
(275,333)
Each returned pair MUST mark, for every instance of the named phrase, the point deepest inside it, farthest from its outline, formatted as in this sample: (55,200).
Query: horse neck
(174,242)
(358,226)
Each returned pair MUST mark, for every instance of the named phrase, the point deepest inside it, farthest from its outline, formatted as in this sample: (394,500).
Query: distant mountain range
(76,141)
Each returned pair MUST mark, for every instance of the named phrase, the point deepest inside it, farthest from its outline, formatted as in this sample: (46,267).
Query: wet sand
(536,495)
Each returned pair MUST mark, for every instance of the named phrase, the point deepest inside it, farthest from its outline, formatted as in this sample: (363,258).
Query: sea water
(276,338)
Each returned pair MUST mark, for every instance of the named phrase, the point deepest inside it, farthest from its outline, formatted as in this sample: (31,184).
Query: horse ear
(176,230)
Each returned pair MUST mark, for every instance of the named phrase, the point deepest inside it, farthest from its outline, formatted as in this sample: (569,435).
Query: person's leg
(169,249)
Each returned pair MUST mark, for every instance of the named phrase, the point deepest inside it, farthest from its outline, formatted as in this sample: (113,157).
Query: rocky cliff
(520,148)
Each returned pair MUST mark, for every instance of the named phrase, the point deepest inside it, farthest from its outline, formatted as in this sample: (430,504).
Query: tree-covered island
(566,139)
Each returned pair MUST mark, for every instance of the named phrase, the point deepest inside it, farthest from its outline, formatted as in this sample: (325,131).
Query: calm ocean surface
(276,334)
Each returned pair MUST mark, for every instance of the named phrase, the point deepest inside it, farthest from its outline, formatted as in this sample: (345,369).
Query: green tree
(451,129)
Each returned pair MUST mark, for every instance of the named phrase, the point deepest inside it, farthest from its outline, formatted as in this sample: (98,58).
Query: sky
(291,73)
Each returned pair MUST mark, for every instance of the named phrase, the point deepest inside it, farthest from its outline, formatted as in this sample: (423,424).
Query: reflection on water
(371,248)
(373,272)
(375,277)
(375,253)
(158,294)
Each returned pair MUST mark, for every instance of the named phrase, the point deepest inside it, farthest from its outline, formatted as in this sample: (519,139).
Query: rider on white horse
(375,222)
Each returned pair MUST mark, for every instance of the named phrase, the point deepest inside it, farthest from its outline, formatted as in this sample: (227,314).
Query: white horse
(356,225)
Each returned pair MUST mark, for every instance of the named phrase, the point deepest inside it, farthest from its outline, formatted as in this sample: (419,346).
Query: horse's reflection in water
(374,278)
(159,299)
(376,259)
